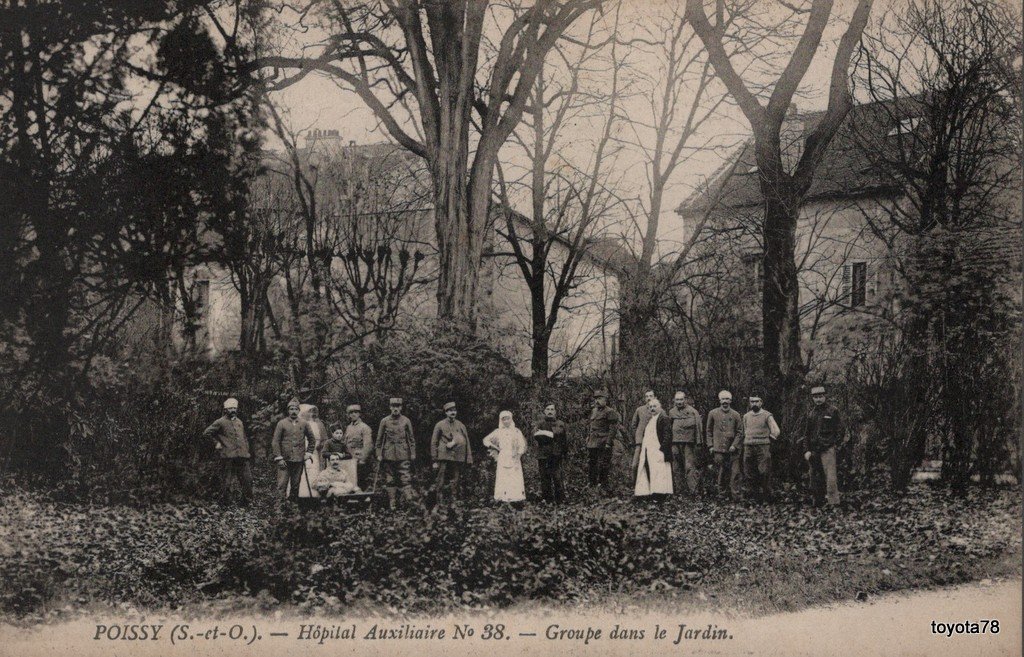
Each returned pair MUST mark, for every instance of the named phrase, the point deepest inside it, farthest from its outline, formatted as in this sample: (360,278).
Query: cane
(305,474)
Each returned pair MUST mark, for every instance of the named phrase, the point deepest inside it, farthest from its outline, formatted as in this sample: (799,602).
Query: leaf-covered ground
(59,559)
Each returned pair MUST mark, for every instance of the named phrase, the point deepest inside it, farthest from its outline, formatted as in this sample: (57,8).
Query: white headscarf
(502,416)
(510,438)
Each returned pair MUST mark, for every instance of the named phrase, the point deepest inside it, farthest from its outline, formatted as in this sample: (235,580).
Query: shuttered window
(859,284)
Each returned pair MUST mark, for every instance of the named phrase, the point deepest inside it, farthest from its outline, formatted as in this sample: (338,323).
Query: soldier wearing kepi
(396,449)
(604,426)
(824,432)
(292,443)
(233,448)
(450,451)
(725,433)
(552,444)
(359,442)
(759,430)
(687,441)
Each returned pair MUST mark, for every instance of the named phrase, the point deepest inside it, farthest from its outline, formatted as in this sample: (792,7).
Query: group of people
(668,446)
(667,455)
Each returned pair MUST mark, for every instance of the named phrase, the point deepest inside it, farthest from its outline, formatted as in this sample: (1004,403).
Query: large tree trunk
(637,314)
(458,229)
(782,365)
(540,334)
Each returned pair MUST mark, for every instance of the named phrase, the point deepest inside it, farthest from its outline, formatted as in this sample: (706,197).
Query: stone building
(848,271)
(377,196)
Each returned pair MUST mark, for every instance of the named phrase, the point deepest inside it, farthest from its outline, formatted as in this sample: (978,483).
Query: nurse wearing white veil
(510,445)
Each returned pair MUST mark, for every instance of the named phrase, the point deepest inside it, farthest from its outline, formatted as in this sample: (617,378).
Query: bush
(132,433)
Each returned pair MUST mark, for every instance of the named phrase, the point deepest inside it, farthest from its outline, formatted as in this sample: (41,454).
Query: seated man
(334,480)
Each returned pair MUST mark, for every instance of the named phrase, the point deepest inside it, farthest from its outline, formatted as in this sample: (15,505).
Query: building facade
(848,255)
(375,226)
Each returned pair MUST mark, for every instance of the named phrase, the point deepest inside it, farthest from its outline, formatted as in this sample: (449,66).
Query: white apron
(508,478)
(654,473)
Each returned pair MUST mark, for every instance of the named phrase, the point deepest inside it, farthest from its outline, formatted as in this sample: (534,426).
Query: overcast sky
(317,102)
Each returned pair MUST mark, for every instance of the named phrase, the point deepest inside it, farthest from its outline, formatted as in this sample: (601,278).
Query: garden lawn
(59,559)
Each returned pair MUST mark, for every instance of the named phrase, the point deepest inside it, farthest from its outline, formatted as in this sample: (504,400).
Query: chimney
(325,137)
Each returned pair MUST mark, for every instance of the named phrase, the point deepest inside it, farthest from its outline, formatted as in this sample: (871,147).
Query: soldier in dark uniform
(292,443)
(449,448)
(724,433)
(552,444)
(824,432)
(604,426)
(396,449)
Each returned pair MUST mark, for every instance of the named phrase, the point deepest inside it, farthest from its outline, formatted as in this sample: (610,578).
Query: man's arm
(367,434)
(700,430)
(773,427)
(410,437)
(275,442)
(435,440)
(616,428)
(379,444)
(737,441)
(215,431)
(709,431)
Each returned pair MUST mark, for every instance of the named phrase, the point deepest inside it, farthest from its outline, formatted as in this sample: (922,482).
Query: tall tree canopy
(782,188)
(430,71)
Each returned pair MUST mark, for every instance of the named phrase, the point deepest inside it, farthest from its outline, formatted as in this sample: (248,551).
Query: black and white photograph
(511,327)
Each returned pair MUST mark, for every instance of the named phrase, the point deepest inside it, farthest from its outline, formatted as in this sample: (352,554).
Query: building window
(859,284)
(753,271)
(855,284)
(201,299)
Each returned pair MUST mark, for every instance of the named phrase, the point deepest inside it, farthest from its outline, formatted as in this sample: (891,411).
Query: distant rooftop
(845,171)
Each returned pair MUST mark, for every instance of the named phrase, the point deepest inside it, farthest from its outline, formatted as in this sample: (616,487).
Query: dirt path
(899,624)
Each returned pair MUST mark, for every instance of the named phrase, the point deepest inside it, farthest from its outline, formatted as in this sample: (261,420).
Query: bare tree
(406,57)
(674,95)
(357,249)
(783,189)
(249,248)
(945,79)
(551,247)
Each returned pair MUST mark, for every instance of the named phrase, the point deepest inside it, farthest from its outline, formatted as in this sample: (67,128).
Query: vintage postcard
(511,327)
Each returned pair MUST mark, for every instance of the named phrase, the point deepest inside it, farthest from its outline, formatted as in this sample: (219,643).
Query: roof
(845,171)
(609,253)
